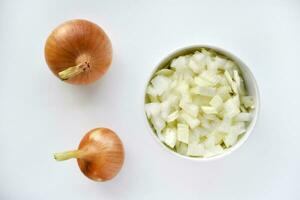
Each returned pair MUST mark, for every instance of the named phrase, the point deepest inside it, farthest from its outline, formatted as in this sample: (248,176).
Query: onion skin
(78,42)
(100,155)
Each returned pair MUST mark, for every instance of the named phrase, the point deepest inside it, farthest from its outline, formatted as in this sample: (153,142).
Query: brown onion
(78,52)
(100,154)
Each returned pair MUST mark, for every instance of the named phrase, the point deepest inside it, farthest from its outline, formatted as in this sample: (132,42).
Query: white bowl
(250,84)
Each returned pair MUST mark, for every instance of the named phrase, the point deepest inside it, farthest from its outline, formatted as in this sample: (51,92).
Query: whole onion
(100,154)
(78,52)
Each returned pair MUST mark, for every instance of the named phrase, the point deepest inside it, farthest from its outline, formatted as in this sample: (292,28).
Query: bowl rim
(243,67)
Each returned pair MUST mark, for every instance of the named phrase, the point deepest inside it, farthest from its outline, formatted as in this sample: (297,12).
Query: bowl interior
(250,84)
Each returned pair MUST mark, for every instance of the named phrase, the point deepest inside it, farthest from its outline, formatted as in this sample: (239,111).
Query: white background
(40,114)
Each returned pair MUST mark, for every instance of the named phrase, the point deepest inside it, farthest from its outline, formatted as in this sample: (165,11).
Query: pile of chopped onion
(198,106)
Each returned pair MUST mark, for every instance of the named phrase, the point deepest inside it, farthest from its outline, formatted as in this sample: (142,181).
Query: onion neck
(70,72)
(66,155)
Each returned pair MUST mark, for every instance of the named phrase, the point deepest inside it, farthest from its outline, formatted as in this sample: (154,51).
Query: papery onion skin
(78,42)
(105,154)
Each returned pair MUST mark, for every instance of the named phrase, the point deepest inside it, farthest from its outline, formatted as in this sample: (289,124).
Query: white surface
(41,115)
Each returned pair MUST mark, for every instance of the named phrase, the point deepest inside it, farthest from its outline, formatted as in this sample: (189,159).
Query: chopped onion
(183,133)
(160,84)
(189,108)
(194,66)
(231,107)
(206,91)
(202,82)
(216,102)
(191,121)
(173,116)
(152,109)
(243,117)
(248,101)
(199,105)
(164,72)
(181,148)
(170,137)
(209,109)
(196,150)
(231,82)
(210,76)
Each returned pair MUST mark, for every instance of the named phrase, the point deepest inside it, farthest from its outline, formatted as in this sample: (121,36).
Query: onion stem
(73,71)
(66,155)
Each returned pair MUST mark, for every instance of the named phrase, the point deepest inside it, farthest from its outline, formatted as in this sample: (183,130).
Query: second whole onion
(100,154)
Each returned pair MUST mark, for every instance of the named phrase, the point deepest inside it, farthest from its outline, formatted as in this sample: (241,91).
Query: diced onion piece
(224,92)
(231,107)
(161,136)
(205,123)
(229,65)
(173,84)
(214,124)
(181,148)
(209,109)
(160,84)
(189,108)
(220,62)
(243,117)
(205,91)
(152,109)
(186,98)
(183,133)
(165,109)
(151,91)
(218,137)
(195,67)
(201,100)
(169,97)
(243,109)
(242,90)
(238,128)
(202,82)
(230,139)
(191,121)
(213,150)
(173,116)
(200,59)
(237,79)
(182,88)
(154,99)
(216,102)
(211,77)
(248,101)
(210,141)
(231,82)
(215,63)
(212,117)
(225,125)
(223,81)
(195,150)
(200,131)
(152,94)
(165,72)
(194,136)
(158,123)
(170,137)
(185,74)
(179,63)
(207,53)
